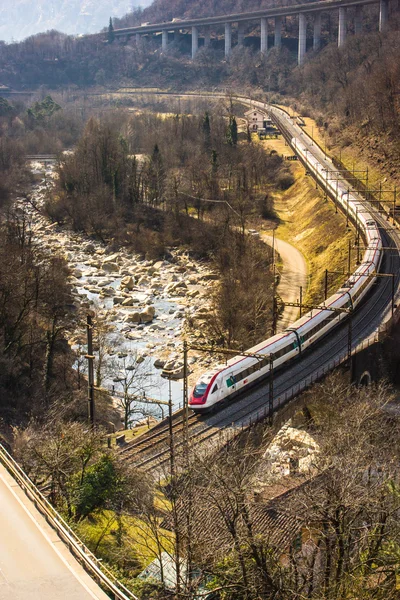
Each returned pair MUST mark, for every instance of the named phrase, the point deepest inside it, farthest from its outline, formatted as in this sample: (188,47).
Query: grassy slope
(139,541)
(309,223)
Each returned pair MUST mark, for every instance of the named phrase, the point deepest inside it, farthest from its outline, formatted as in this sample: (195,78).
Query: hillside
(22,18)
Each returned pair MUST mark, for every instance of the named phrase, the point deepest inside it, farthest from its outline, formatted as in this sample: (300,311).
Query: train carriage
(226,381)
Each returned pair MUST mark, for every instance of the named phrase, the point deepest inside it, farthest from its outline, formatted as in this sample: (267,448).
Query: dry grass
(129,433)
(310,223)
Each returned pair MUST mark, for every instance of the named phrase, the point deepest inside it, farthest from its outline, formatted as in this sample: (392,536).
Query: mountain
(22,18)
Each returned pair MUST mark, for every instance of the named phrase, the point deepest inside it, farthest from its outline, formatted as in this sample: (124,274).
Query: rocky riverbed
(142,304)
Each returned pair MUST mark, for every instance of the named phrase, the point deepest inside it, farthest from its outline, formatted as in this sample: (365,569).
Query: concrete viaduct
(315,9)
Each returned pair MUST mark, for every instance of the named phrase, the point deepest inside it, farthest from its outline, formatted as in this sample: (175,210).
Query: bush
(285,181)
(265,207)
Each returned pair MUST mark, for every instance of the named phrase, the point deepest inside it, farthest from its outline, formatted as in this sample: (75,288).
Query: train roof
(259,347)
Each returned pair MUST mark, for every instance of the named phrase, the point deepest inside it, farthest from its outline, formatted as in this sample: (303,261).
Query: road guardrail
(99,573)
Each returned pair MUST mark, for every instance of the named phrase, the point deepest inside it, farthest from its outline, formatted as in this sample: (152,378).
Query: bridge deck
(34,562)
(279,11)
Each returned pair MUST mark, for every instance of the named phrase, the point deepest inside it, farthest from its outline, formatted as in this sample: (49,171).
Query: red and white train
(225,381)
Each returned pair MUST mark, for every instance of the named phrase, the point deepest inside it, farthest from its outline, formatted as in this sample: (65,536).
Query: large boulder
(107,291)
(210,277)
(115,257)
(147,315)
(159,264)
(128,302)
(143,280)
(133,317)
(109,267)
(179,288)
(173,369)
(159,363)
(128,282)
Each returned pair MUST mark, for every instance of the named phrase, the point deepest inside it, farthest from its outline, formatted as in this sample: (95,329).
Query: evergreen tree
(206,130)
(232,132)
(214,174)
(248,133)
(111,34)
(156,177)
(214,162)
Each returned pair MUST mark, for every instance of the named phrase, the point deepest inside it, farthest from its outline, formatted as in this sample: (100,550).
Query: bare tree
(132,381)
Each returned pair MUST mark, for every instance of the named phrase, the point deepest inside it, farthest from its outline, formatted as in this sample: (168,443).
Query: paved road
(34,563)
(294,275)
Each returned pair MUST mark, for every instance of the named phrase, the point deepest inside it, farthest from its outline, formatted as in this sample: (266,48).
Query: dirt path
(293,275)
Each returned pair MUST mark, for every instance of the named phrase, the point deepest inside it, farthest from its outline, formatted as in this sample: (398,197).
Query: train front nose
(198,395)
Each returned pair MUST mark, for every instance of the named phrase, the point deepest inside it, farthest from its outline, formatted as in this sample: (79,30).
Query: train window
(231,381)
(215,388)
(200,390)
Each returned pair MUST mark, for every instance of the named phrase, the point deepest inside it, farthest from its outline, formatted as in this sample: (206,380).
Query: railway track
(151,451)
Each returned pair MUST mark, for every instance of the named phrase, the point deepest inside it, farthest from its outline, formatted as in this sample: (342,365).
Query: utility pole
(185,396)
(349,258)
(326,285)
(347,207)
(357,237)
(350,343)
(274,302)
(271,389)
(170,427)
(90,359)
(301,300)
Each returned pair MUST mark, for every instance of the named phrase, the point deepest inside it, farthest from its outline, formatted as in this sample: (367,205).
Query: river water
(173,290)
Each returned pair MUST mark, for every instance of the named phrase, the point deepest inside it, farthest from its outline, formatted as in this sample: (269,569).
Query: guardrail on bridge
(105,579)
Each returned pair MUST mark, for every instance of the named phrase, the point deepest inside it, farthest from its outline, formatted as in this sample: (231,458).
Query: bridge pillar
(342,26)
(195,41)
(240,33)
(207,37)
(302,38)
(228,39)
(358,20)
(137,38)
(383,15)
(278,32)
(264,35)
(317,32)
(164,40)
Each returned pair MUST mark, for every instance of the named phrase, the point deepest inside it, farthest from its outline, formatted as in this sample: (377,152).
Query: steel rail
(290,382)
